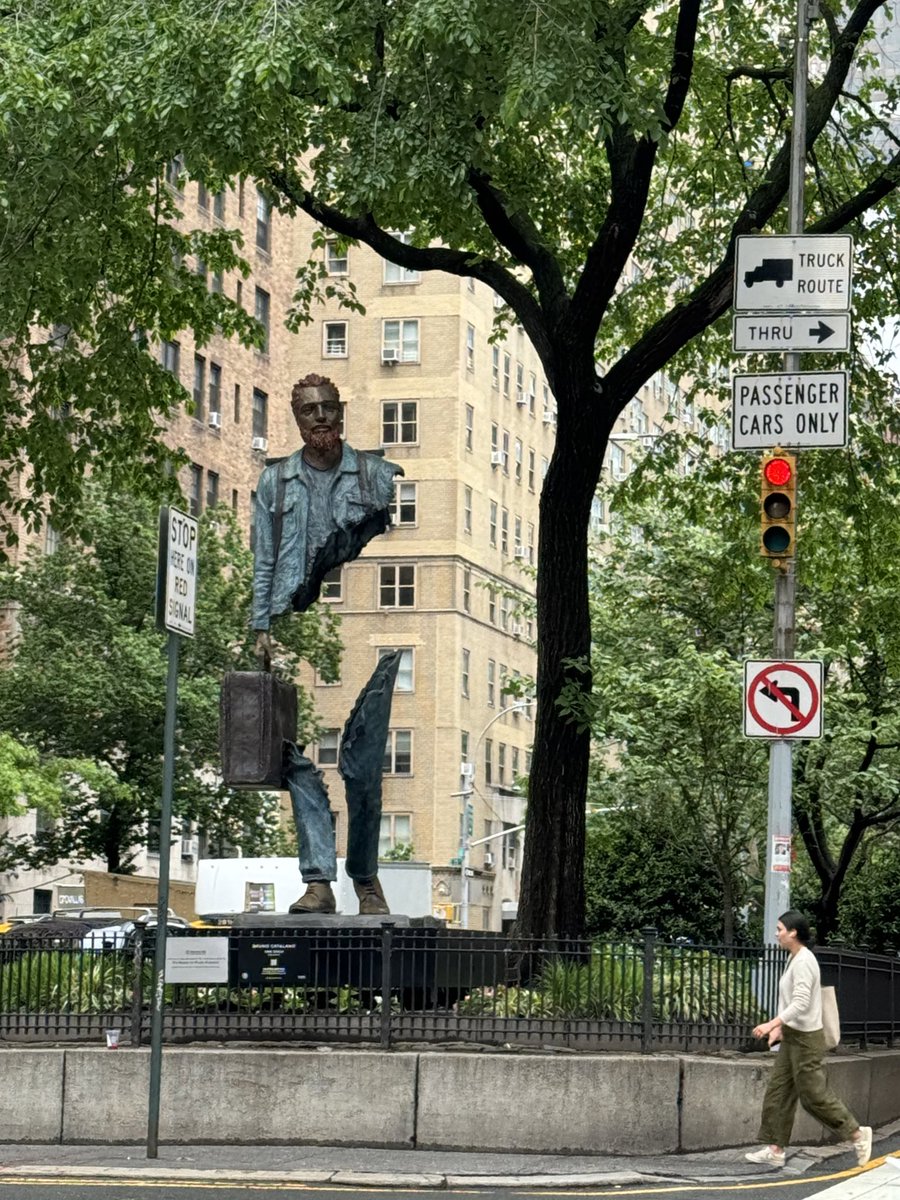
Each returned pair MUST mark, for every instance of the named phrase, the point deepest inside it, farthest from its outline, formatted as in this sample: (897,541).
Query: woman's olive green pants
(799,1074)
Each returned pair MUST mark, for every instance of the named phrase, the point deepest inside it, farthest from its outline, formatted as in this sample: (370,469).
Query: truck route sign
(808,272)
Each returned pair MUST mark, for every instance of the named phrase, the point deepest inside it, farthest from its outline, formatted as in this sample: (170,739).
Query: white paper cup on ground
(112,1039)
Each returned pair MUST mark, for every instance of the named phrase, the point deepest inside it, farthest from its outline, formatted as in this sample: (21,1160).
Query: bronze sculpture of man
(315,510)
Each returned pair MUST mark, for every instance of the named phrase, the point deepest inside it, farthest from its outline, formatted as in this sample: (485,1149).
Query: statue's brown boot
(318,898)
(371,898)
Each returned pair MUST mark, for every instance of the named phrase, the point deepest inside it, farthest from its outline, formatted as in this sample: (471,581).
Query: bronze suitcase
(257,715)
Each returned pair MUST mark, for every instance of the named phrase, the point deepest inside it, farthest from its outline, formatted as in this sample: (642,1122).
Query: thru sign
(783,699)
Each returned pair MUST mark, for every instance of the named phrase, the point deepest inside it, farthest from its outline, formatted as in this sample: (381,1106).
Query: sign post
(176,593)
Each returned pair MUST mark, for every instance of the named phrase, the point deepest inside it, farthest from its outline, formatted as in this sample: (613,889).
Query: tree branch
(631,166)
(416,258)
(516,231)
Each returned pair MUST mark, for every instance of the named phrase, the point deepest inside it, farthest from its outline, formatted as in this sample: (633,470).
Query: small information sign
(808,272)
(197,960)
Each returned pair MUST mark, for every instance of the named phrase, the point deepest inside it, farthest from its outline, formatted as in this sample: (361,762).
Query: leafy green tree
(684,597)
(642,870)
(28,781)
(88,680)
(539,151)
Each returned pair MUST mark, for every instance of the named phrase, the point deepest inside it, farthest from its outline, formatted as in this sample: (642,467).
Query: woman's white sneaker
(769,1157)
(863,1146)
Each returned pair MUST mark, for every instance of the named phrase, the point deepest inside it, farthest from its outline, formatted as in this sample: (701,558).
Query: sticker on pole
(783,699)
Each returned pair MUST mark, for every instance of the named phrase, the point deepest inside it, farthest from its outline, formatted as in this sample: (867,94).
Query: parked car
(121,936)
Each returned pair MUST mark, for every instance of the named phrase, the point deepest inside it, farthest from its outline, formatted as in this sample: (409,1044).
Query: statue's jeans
(315,822)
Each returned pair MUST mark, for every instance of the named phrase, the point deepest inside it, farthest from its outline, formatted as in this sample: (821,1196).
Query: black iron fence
(392,984)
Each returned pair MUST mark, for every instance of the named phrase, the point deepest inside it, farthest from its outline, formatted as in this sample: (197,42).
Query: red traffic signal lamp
(778,505)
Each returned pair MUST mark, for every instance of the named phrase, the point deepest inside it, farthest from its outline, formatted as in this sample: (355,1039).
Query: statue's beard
(322,440)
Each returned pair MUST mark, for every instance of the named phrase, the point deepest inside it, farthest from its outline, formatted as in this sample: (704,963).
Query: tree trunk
(552,893)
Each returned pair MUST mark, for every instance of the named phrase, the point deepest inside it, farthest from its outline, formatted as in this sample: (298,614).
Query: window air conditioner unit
(521,552)
(389,356)
(189,847)
(496,458)
(619,474)
(517,630)
(521,398)
(260,443)
(467,770)
(215,420)
(549,416)
(488,860)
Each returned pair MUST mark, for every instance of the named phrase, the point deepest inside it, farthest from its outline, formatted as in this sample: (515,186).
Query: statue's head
(316,405)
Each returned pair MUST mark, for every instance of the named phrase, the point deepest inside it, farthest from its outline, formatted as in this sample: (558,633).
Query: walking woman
(799,1070)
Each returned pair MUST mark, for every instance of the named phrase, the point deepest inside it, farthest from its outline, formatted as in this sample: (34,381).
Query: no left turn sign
(783,699)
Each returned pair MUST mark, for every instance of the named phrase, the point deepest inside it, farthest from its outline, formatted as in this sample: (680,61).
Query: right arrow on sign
(821,332)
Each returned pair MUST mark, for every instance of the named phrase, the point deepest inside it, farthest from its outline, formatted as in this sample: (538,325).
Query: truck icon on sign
(770,270)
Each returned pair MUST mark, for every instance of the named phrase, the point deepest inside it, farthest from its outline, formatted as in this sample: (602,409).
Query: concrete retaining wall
(585,1104)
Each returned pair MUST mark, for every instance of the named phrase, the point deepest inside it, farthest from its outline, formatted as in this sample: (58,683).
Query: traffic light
(779,504)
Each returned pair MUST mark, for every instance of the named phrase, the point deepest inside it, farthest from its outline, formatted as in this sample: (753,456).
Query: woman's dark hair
(794,919)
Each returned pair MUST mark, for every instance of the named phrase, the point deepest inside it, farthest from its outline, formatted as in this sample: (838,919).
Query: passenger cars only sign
(803,409)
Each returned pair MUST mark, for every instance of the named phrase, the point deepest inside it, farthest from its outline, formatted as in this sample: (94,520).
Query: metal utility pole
(778,883)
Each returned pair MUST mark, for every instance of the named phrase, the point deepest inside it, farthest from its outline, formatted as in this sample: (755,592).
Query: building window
(467,590)
(332,585)
(492,523)
(532,392)
(514,764)
(260,414)
(263,222)
(195,489)
(219,206)
(337,260)
(403,510)
(217,283)
(170,357)
(507,366)
(505,609)
(328,748)
(405,677)
(51,543)
(530,543)
(202,197)
(42,900)
(212,489)
(397,274)
(617,461)
(402,339)
(495,441)
(395,830)
(488,761)
(517,457)
(492,606)
(491,683)
(334,339)
(505,448)
(398,752)
(215,388)
(504,531)
(520,383)
(495,367)
(464,745)
(517,534)
(470,347)
(530,469)
(263,305)
(501,763)
(199,385)
(464,685)
(397,586)
(470,427)
(467,510)
(175,172)
(399,422)
(237,404)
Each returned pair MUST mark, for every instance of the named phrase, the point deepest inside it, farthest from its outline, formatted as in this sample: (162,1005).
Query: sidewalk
(444,1169)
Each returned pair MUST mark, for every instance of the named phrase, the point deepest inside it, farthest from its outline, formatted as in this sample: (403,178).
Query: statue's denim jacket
(282,578)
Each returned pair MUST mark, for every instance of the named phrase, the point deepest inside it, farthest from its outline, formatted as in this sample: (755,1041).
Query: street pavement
(821,1171)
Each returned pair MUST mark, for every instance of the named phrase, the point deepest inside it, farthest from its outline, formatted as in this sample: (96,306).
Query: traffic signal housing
(778,511)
